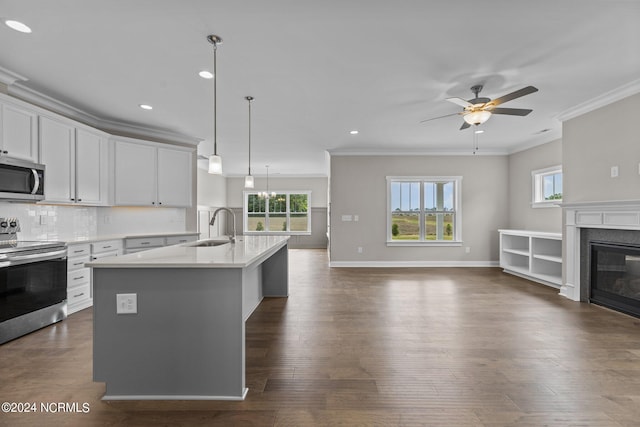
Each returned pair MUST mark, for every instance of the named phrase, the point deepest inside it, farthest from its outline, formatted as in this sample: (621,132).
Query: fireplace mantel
(616,215)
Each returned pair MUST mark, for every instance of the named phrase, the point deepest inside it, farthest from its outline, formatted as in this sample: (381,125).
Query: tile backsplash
(72,223)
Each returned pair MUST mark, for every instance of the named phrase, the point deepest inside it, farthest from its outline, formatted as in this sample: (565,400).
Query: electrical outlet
(126,303)
(467,249)
(614,171)
(359,249)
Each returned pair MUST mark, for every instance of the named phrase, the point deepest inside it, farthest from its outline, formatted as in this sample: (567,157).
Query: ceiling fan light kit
(478,110)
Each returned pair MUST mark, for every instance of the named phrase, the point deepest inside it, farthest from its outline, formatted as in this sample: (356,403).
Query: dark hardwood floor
(431,346)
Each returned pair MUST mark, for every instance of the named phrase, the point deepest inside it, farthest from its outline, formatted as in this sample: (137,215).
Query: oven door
(30,282)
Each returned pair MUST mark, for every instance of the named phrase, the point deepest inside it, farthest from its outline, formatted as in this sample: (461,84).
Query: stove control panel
(9,225)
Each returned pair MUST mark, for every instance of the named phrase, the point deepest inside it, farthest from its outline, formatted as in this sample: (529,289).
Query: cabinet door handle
(144,243)
(78,263)
(106,247)
(79,251)
(78,278)
(78,295)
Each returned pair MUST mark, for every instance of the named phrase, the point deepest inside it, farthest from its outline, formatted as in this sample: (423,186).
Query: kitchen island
(186,339)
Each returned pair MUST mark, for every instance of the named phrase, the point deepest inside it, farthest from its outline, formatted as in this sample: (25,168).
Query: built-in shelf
(533,255)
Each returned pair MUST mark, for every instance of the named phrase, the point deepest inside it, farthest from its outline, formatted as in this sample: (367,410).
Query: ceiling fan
(478,110)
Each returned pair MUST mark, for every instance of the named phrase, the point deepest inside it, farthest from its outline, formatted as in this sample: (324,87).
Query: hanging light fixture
(266,194)
(248,180)
(215,161)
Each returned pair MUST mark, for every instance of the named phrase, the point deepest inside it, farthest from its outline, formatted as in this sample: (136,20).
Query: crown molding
(480,152)
(538,140)
(39,99)
(606,98)
(8,77)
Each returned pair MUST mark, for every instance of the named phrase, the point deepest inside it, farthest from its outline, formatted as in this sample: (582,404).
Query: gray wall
(596,141)
(358,187)
(522,216)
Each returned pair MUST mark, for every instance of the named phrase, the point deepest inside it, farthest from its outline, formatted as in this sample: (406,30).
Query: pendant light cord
(215,103)
(249,99)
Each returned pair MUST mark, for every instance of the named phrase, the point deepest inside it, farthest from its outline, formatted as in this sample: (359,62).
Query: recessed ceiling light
(354,132)
(205,74)
(479,131)
(146,107)
(17,25)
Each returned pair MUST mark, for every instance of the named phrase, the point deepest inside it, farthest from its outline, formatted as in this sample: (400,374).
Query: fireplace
(612,231)
(615,277)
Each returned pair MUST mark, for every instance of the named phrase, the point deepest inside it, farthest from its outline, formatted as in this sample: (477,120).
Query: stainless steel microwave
(21,180)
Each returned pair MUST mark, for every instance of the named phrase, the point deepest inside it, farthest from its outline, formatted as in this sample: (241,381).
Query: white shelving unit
(533,255)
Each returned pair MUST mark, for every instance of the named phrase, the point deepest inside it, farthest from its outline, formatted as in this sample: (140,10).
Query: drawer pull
(78,278)
(106,247)
(78,263)
(183,240)
(79,295)
(79,251)
(144,243)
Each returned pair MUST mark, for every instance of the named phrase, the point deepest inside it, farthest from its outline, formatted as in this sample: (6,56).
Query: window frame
(537,187)
(457,199)
(288,193)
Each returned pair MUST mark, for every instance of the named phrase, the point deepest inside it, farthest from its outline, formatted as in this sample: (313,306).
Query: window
(547,186)
(423,210)
(283,213)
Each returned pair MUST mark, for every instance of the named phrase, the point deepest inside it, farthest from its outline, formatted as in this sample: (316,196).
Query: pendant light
(266,194)
(215,161)
(248,180)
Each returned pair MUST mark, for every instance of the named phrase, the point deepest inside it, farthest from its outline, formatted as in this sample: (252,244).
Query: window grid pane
(433,219)
(282,213)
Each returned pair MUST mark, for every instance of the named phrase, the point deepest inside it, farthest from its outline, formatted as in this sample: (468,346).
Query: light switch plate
(126,303)
(614,171)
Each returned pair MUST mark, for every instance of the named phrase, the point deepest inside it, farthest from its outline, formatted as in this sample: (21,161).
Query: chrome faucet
(232,238)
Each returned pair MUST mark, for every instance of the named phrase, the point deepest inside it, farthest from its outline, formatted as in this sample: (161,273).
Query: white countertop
(246,251)
(79,240)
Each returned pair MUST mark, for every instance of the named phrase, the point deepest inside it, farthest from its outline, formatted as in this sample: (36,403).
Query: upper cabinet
(76,160)
(151,174)
(18,131)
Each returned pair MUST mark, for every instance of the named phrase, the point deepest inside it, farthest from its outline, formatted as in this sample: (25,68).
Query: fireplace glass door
(615,277)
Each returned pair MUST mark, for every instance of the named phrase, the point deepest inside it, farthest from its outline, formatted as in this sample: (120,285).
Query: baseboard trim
(387,264)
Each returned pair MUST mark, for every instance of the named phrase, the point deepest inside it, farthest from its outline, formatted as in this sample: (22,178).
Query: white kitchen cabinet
(92,179)
(76,161)
(147,174)
(174,177)
(533,255)
(18,131)
(78,277)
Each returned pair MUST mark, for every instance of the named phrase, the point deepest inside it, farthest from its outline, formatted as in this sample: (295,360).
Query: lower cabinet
(139,244)
(78,277)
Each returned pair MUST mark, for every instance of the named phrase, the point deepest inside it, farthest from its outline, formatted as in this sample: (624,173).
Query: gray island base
(187,339)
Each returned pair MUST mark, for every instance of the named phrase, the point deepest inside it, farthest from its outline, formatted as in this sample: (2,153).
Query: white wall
(140,220)
(358,187)
(212,189)
(522,216)
(596,141)
(70,223)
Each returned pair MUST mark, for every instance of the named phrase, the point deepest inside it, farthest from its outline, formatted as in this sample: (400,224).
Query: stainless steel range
(33,282)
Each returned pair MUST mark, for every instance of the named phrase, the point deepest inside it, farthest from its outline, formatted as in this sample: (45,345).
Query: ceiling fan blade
(459,101)
(464,126)
(513,95)
(511,111)
(439,117)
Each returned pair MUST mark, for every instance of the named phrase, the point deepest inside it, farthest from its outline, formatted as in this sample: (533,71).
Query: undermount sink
(204,243)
